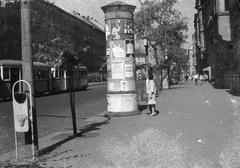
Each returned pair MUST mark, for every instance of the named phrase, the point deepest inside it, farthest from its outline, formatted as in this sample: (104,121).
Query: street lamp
(51,41)
(166,57)
(145,38)
(42,45)
(145,43)
(167,67)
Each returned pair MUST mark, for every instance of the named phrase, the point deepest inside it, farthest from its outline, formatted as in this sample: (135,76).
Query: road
(54,114)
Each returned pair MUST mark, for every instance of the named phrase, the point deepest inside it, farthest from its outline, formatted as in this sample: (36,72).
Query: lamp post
(145,43)
(166,66)
(145,38)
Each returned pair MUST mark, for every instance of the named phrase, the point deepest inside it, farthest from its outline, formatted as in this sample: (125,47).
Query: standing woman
(151,92)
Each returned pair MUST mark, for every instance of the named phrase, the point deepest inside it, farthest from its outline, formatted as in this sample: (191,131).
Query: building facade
(214,37)
(192,61)
(52,31)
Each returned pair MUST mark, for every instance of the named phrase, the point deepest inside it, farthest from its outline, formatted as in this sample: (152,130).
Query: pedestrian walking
(1,87)
(186,77)
(196,79)
(151,92)
(205,77)
(201,79)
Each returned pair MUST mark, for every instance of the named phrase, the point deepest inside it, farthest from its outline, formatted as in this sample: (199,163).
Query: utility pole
(27,69)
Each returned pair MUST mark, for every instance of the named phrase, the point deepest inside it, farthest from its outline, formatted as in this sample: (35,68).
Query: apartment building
(52,31)
(217,37)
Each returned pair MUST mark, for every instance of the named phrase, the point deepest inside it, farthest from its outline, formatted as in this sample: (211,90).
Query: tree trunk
(72,104)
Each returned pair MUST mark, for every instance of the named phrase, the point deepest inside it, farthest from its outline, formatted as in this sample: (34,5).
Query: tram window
(37,74)
(75,73)
(43,74)
(69,73)
(56,73)
(6,73)
(40,74)
(61,73)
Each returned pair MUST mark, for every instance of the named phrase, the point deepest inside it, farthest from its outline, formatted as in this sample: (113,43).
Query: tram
(60,78)
(46,78)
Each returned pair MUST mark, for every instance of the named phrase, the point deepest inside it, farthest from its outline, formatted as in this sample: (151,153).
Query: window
(56,73)
(43,74)
(75,73)
(221,6)
(40,74)
(61,73)
(224,27)
(6,73)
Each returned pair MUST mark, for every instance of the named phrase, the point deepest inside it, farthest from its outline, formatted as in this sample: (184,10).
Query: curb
(97,83)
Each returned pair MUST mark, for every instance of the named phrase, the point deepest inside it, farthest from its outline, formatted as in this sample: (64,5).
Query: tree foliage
(165,28)
(43,31)
(68,60)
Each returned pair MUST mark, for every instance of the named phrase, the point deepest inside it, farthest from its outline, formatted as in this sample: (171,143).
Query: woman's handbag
(151,99)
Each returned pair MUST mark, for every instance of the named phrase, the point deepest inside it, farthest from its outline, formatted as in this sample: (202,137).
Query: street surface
(197,127)
(54,114)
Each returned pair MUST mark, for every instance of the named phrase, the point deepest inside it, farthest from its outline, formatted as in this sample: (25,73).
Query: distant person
(196,79)
(1,87)
(201,79)
(151,92)
(205,78)
(186,77)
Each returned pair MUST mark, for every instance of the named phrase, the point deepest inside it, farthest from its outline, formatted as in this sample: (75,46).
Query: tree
(166,30)
(69,61)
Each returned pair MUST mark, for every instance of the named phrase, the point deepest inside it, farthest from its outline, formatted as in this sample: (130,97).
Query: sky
(93,9)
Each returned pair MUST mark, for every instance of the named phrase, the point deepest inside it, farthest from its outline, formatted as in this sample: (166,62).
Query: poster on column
(114,103)
(116,29)
(117,70)
(118,49)
(108,38)
(128,69)
(121,85)
(109,70)
(129,48)
(128,102)
(128,29)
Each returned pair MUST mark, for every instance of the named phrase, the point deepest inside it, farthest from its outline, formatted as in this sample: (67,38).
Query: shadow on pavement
(233,93)
(58,116)
(142,107)
(65,137)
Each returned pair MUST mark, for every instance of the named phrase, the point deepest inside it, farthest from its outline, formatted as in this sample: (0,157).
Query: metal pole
(142,84)
(145,27)
(27,68)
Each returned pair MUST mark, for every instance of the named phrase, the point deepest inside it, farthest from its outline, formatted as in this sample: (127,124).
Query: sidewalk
(192,130)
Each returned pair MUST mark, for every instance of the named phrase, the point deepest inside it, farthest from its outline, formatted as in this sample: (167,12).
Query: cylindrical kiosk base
(122,104)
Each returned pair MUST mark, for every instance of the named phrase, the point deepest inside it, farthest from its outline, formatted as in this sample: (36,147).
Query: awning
(209,71)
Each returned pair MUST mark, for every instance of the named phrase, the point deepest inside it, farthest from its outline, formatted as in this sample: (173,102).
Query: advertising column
(119,30)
